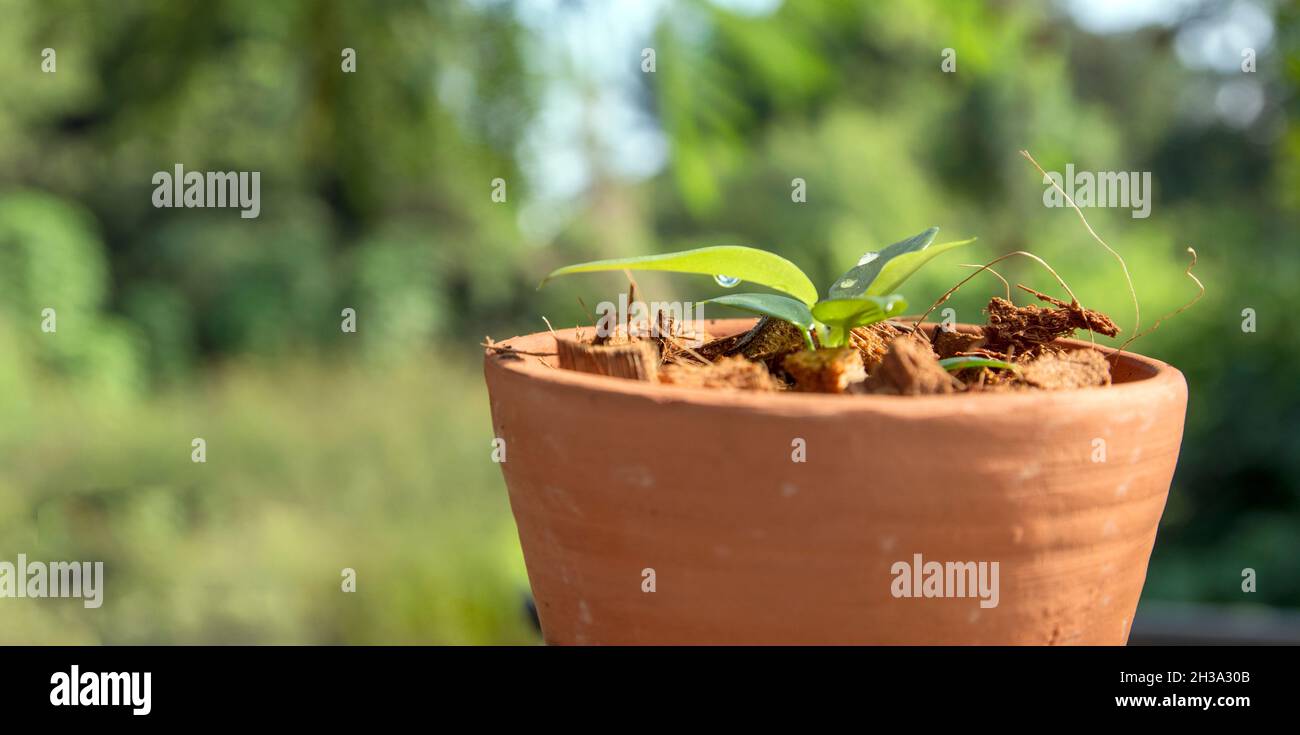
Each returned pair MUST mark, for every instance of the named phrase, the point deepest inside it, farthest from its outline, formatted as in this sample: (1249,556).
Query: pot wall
(609,478)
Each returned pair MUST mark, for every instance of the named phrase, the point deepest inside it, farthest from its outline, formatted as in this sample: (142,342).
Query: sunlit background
(371,451)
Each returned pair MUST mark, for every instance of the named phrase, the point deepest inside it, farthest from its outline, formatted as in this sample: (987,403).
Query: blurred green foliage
(311,469)
(370,450)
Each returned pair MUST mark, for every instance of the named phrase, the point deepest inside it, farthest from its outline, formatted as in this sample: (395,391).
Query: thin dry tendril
(1092,336)
(1200,292)
(1137,310)
(1005,283)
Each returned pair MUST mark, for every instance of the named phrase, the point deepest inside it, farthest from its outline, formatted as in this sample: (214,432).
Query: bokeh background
(371,450)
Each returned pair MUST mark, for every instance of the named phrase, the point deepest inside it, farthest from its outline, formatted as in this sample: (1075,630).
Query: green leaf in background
(769,304)
(961,363)
(858,278)
(842,315)
(733,261)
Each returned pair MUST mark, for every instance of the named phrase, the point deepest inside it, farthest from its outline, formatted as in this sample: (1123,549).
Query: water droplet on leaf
(727,281)
(868,258)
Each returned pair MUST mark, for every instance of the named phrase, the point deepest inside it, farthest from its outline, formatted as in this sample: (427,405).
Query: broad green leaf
(858,311)
(881,272)
(842,315)
(961,363)
(902,267)
(735,261)
(860,277)
(769,304)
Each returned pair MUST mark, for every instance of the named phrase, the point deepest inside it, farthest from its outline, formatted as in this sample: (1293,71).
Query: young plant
(953,364)
(863,295)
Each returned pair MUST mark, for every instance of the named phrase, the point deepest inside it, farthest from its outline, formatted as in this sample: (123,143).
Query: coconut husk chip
(733,372)
(1083,368)
(1028,330)
(873,341)
(830,370)
(909,368)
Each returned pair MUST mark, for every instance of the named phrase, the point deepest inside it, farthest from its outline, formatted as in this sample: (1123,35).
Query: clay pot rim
(1161,376)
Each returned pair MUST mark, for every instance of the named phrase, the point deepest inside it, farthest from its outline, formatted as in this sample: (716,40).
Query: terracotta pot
(610,478)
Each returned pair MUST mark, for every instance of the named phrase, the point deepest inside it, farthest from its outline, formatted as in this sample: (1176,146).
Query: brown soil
(769,340)
(948,342)
(1055,369)
(726,345)
(1067,369)
(830,370)
(883,358)
(909,368)
(727,372)
(873,341)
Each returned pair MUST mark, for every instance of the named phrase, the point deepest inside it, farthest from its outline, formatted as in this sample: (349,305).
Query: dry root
(1027,330)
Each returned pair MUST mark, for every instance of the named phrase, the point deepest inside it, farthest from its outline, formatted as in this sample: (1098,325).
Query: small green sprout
(961,363)
(863,295)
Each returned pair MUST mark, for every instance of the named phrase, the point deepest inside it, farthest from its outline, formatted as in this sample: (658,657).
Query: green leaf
(858,278)
(747,264)
(961,363)
(902,267)
(842,315)
(858,311)
(769,304)
(881,272)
